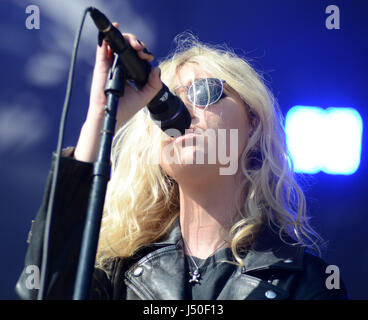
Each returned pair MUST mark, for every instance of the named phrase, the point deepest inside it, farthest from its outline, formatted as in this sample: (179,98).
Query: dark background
(303,62)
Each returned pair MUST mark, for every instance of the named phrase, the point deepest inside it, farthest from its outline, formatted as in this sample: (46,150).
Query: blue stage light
(324,139)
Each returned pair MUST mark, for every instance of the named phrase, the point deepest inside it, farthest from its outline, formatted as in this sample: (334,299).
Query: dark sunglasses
(204,92)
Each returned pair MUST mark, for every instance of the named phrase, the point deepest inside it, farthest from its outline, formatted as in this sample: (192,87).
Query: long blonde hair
(142,202)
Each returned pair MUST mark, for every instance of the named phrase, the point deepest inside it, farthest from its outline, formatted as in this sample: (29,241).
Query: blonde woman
(214,214)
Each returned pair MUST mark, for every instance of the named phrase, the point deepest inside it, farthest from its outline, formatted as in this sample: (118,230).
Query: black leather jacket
(272,269)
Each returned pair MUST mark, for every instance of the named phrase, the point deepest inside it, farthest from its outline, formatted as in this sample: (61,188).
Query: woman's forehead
(189,72)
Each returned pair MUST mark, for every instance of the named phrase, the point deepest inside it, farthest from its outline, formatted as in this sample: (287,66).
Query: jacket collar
(159,273)
(267,252)
(270,252)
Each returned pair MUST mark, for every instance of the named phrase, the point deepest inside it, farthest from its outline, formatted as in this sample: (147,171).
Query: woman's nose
(190,107)
(191,110)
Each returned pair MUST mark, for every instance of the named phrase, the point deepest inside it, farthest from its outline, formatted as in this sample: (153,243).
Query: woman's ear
(253,121)
(251,131)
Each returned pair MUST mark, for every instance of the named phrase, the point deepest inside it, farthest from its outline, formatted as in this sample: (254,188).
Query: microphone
(166,110)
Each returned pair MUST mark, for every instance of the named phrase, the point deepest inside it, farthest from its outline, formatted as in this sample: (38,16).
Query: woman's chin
(189,167)
(189,155)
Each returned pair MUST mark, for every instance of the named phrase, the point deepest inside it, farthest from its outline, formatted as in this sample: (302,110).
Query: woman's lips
(186,136)
(189,134)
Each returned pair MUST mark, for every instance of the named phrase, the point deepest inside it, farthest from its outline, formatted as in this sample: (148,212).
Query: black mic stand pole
(114,89)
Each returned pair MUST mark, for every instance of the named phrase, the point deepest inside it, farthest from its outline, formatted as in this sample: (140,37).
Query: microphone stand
(114,89)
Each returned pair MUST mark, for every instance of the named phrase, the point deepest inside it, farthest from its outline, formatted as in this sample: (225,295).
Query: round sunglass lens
(204,92)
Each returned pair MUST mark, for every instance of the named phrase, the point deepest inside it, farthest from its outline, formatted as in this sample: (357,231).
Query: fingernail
(147,52)
(100,38)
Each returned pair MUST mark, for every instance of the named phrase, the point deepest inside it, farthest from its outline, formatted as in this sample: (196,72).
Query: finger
(145,55)
(139,46)
(141,43)
(110,53)
(154,78)
(133,41)
(101,52)
(103,59)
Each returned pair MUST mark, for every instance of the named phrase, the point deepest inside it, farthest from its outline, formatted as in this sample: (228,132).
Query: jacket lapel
(160,274)
(267,253)
(270,252)
(245,287)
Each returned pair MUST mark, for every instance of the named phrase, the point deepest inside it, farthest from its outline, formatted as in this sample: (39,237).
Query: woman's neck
(207,214)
